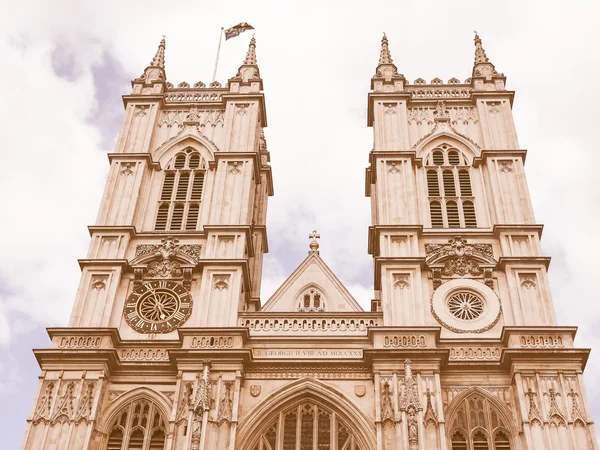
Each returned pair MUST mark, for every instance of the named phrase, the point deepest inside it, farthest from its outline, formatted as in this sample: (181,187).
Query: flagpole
(214,77)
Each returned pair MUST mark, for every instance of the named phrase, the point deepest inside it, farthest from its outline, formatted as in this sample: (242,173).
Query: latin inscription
(307,353)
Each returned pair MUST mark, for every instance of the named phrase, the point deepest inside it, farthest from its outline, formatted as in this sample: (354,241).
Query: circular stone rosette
(466,306)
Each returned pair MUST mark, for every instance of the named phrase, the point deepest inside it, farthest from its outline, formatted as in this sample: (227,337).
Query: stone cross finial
(314,245)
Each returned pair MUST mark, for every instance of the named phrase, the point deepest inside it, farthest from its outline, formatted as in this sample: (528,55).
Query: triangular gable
(312,273)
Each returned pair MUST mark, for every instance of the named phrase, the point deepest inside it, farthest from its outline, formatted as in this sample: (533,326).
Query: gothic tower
(178,245)
(169,346)
(457,256)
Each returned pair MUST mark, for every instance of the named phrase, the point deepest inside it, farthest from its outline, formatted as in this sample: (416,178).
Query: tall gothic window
(307,427)
(179,203)
(451,202)
(139,426)
(478,426)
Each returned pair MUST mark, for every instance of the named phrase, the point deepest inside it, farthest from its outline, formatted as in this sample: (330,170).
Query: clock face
(158,307)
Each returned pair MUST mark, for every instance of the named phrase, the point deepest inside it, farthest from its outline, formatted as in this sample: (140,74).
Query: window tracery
(478,426)
(179,204)
(139,426)
(451,202)
(307,427)
(311,300)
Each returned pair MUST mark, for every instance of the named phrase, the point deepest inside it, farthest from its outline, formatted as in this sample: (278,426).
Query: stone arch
(258,419)
(141,393)
(510,427)
(197,141)
(428,143)
(318,288)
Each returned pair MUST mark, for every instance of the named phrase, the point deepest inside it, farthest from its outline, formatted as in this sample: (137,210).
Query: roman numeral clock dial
(158,307)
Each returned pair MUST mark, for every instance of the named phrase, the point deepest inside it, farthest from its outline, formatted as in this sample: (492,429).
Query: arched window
(311,299)
(459,442)
(179,204)
(478,417)
(456,208)
(307,427)
(139,426)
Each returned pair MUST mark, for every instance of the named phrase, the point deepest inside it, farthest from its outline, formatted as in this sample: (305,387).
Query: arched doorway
(306,415)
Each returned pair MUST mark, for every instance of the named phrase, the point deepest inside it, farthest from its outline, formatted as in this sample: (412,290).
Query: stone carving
(80,342)
(387,407)
(401,281)
(86,401)
(576,412)
(316,324)
(242,108)
(360,390)
(98,282)
(255,390)
(390,108)
(141,110)
(201,404)
(409,396)
(395,168)
(528,281)
(430,416)
(168,249)
(234,169)
(184,403)
(555,415)
(221,282)
(126,168)
(413,428)
(440,111)
(463,114)
(420,115)
(193,115)
(113,395)
(475,353)
(226,403)
(65,409)
(404,341)
(282,372)
(42,412)
(164,269)
(534,412)
(488,277)
(143,354)
(211,342)
(541,341)
(506,166)
(459,258)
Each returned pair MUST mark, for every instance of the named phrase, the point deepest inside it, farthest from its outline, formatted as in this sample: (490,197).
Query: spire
(251,55)
(385,56)
(159,58)
(480,56)
(386,72)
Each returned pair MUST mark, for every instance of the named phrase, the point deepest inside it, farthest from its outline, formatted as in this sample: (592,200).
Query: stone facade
(169,347)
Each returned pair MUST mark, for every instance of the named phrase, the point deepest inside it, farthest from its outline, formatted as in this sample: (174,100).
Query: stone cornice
(375,233)
(232,96)
(380,261)
(258,167)
(134,156)
(503,261)
(391,96)
(508,228)
(485,154)
(83,263)
(129,230)
(140,99)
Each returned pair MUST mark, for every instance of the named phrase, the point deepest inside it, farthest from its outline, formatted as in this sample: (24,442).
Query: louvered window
(480,442)
(179,205)
(501,442)
(451,202)
(437,219)
(433,184)
(139,426)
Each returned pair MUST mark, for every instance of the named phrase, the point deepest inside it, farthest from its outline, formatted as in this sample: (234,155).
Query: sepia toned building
(170,347)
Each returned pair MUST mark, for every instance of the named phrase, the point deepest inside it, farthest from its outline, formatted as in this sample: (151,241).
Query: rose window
(465,305)
(158,306)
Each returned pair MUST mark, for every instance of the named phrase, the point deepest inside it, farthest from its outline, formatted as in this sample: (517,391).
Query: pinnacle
(480,56)
(159,58)
(251,55)
(385,56)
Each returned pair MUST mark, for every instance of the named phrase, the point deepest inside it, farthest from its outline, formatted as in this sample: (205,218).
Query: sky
(66,64)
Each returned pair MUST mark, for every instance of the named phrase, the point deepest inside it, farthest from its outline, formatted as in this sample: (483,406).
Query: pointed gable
(312,287)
